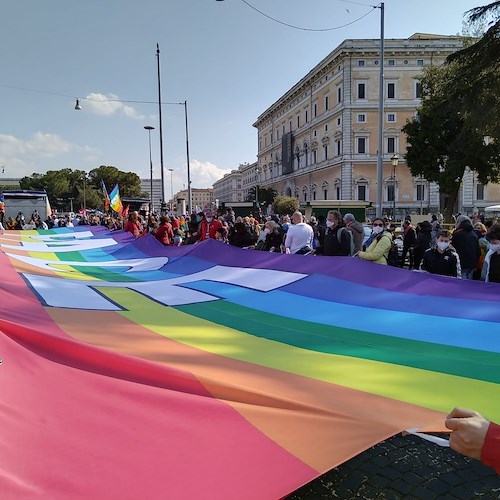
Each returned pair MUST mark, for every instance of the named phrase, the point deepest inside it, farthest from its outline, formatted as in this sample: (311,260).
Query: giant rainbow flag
(132,370)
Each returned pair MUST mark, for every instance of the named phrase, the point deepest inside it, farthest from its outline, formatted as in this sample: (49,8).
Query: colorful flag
(115,200)
(207,371)
(106,196)
(126,211)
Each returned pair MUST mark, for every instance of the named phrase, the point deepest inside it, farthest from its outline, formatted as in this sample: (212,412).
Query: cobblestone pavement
(405,467)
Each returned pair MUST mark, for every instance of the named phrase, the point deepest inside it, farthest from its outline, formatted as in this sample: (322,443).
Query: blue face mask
(198,219)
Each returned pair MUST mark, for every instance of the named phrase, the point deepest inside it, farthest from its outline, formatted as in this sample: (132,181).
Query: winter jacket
(332,246)
(378,251)
(358,234)
(491,271)
(446,263)
(466,244)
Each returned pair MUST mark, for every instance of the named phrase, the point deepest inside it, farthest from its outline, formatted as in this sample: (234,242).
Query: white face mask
(209,219)
(495,248)
(443,245)
(377,229)
(329,223)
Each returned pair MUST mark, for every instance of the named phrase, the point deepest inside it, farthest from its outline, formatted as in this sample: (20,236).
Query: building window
(325,151)
(315,156)
(315,133)
(420,192)
(325,193)
(391,62)
(361,118)
(339,95)
(315,110)
(420,62)
(390,190)
(361,145)
(298,121)
(361,192)
(391,117)
(326,103)
(418,90)
(361,62)
(479,191)
(337,191)
(306,153)
(305,195)
(361,91)
(391,90)
(326,127)
(338,146)
(391,144)
(290,125)
(339,121)
(306,116)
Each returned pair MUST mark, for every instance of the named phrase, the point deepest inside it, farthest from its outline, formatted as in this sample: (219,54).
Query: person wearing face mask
(491,266)
(207,227)
(378,244)
(442,258)
(338,240)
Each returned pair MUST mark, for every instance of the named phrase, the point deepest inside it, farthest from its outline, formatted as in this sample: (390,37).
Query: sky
(228,61)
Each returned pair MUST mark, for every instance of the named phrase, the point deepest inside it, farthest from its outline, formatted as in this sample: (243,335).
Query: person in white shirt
(299,237)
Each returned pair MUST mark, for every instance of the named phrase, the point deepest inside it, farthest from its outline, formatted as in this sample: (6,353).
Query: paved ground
(405,467)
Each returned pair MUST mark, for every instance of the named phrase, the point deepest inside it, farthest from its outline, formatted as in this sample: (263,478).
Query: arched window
(306,154)
(297,158)
(304,192)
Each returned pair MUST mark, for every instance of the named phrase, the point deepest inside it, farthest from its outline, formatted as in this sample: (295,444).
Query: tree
(129,182)
(285,205)
(265,196)
(441,144)
(479,78)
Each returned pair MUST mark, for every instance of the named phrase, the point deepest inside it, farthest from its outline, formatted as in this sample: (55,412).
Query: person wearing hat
(465,242)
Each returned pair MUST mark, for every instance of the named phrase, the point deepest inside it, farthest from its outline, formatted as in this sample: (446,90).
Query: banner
(115,200)
(207,371)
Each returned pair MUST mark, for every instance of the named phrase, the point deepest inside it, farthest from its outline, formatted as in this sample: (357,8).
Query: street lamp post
(71,204)
(171,170)
(394,163)
(149,128)
(257,171)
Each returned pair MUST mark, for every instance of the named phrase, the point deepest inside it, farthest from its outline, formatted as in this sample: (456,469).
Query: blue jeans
(467,274)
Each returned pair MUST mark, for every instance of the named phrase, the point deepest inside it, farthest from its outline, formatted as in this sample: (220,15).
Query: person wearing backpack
(378,244)
(338,240)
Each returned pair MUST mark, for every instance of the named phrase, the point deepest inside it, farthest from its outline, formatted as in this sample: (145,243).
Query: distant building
(146,188)
(203,198)
(10,181)
(319,140)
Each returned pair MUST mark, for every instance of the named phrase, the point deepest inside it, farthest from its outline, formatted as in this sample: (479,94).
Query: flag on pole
(115,200)
(106,196)
(125,212)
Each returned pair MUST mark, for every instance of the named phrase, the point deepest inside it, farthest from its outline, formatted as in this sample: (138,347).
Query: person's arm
(424,263)
(474,436)
(288,238)
(458,267)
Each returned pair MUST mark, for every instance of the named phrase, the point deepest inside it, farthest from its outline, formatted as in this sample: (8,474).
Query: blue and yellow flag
(115,200)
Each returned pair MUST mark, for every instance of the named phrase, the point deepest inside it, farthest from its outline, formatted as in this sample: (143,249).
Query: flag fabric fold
(207,371)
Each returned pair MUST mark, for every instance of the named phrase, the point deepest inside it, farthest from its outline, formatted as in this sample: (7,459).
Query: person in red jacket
(133,224)
(475,436)
(164,233)
(207,227)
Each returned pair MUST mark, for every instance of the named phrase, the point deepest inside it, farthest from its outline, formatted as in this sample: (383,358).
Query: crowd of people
(470,250)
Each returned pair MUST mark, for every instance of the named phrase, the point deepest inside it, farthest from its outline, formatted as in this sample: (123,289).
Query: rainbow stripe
(208,371)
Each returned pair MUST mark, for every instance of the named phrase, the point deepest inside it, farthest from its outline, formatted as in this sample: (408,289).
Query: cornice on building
(417,43)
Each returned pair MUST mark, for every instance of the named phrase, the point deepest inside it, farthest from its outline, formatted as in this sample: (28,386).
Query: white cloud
(109,104)
(204,174)
(25,156)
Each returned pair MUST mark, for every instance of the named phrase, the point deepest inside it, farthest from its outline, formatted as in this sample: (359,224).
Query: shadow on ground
(405,467)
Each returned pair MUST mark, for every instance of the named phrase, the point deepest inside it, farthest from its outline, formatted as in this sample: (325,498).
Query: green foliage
(441,143)
(85,189)
(266,196)
(285,205)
